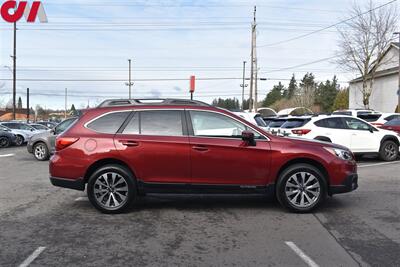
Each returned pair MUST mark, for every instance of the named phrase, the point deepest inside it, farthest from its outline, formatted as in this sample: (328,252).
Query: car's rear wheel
(111,189)
(389,151)
(4,141)
(301,188)
(19,141)
(41,152)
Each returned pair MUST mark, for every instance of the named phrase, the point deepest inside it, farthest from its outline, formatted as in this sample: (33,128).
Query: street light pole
(398,91)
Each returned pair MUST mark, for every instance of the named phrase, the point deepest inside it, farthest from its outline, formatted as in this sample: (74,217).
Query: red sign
(192,83)
(12,12)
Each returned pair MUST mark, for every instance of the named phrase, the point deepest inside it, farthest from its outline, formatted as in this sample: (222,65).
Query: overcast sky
(92,40)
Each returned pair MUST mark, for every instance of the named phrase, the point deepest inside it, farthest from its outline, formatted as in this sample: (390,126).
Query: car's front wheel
(111,189)
(301,188)
(389,151)
(4,141)
(41,152)
(19,141)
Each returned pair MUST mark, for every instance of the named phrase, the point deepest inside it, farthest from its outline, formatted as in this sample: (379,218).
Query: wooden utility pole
(129,84)
(27,105)
(398,92)
(15,71)
(253,68)
(66,103)
(243,85)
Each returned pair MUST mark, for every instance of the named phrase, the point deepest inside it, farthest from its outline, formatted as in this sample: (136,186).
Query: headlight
(340,153)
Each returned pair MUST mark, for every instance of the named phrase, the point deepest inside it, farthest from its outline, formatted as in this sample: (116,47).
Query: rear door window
(109,123)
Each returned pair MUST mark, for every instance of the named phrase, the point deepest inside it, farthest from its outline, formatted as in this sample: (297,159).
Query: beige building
(384,96)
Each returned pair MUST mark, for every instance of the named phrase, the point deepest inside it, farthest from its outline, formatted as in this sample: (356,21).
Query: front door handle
(200,148)
(129,143)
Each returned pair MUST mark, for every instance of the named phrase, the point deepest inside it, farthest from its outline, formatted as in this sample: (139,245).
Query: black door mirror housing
(248,137)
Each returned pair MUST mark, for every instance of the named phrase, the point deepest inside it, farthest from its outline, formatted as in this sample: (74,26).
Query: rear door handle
(129,143)
(200,148)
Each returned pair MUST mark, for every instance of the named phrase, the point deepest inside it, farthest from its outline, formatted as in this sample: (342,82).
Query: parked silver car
(22,133)
(42,145)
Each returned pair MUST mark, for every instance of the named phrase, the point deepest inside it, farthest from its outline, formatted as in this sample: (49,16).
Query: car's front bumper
(77,184)
(349,184)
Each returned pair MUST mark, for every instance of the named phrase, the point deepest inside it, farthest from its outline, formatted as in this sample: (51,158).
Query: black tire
(389,151)
(4,141)
(108,194)
(41,152)
(294,171)
(19,141)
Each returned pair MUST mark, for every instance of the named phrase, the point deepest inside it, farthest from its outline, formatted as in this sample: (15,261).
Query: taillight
(301,131)
(63,142)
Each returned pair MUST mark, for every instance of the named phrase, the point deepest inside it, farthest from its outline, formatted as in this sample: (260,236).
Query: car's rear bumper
(349,184)
(78,184)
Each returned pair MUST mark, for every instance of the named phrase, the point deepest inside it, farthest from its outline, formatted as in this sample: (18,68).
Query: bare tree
(364,41)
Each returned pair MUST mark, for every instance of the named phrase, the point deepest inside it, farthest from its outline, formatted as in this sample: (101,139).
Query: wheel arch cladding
(308,161)
(390,138)
(108,161)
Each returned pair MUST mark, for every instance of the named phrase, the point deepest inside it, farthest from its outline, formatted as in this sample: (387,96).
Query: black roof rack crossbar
(150,101)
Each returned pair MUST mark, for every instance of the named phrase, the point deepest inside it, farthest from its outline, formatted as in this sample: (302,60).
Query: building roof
(386,72)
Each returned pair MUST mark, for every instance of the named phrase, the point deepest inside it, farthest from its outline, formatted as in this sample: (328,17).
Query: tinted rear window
(295,123)
(369,117)
(260,121)
(347,113)
(277,123)
(392,117)
(109,123)
(395,122)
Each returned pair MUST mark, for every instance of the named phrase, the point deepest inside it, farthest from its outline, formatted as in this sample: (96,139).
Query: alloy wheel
(110,190)
(40,151)
(302,189)
(4,142)
(19,140)
(390,151)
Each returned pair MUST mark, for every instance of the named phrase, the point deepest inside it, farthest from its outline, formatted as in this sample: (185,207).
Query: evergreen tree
(19,103)
(73,111)
(275,95)
(292,88)
(326,94)
(230,103)
(342,100)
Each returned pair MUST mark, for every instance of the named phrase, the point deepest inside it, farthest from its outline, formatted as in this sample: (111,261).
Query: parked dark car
(42,145)
(7,138)
(127,148)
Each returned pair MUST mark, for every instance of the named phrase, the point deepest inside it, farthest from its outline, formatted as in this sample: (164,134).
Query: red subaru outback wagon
(129,148)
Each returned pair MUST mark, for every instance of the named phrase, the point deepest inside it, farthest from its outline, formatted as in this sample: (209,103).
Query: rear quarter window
(109,123)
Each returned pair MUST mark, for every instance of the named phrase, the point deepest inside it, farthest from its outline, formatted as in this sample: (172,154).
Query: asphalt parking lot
(41,225)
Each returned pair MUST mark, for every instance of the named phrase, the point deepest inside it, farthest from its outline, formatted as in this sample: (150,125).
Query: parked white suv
(358,135)
(254,118)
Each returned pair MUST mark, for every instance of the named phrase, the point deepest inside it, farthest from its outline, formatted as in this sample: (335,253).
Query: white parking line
(301,254)
(7,155)
(32,257)
(378,164)
(81,199)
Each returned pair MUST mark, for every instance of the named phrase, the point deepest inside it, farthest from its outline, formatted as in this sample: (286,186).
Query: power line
(328,27)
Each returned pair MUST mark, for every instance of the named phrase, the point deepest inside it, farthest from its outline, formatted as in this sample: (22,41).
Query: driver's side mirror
(371,130)
(53,131)
(248,137)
